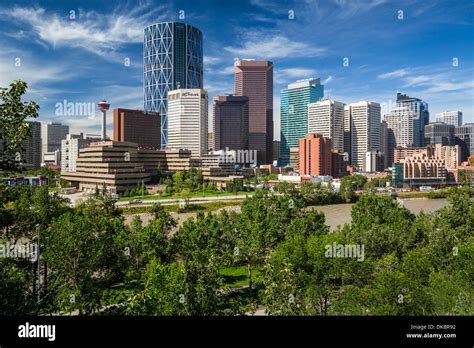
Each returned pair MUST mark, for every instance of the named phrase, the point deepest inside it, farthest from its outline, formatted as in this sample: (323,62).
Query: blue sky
(82,59)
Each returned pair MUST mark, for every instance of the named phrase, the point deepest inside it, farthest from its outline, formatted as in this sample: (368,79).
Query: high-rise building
(276,150)
(136,126)
(326,117)
(70,148)
(31,148)
(231,122)
(187,120)
(210,141)
(451,155)
(173,59)
(51,136)
(450,117)
(294,102)
(364,124)
(295,158)
(373,161)
(400,125)
(465,139)
(254,79)
(315,155)
(421,116)
(439,133)
(384,144)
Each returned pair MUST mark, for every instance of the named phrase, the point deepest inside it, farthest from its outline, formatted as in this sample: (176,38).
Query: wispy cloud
(394,74)
(264,46)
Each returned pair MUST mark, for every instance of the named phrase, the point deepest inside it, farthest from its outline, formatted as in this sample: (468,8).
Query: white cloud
(394,74)
(327,80)
(264,46)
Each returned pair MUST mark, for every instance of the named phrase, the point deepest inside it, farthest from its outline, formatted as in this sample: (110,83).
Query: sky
(84,51)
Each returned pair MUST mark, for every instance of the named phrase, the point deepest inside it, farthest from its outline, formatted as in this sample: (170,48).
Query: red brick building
(315,155)
(139,127)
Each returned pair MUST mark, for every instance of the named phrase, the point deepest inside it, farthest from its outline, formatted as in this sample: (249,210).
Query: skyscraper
(421,116)
(465,139)
(187,120)
(294,102)
(364,123)
(315,155)
(51,136)
(173,59)
(136,126)
(450,117)
(254,79)
(439,133)
(400,129)
(326,117)
(231,122)
(31,147)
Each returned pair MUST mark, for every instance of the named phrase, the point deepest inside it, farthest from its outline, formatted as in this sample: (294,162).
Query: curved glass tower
(172,59)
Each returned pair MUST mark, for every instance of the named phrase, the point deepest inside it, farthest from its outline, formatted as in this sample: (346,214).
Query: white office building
(326,117)
(362,121)
(188,120)
(70,150)
(450,117)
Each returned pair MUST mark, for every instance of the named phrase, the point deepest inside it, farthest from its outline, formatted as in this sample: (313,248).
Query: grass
(195,194)
(204,207)
(237,276)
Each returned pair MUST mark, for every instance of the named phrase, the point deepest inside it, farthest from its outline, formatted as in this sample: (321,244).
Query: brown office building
(315,155)
(138,127)
(231,122)
(254,79)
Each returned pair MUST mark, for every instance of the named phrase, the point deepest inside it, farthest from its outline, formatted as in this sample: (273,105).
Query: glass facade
(294,114)
(172,59)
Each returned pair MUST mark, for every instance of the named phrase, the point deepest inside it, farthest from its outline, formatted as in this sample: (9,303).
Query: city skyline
(83,60)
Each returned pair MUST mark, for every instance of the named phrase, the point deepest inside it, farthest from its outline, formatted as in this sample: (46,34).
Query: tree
(13,126)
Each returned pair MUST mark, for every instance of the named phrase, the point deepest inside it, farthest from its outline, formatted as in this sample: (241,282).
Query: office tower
(30,149)
(294,102)
(364,125)
(400,129)
(70,148)
(173,59)
(421,116)
(384,144)
(136,126)
(187,120)
(450,117)
(276,150)
(315,155)
(231,122)
(254,79)
(295,158)
(347,132)
(374,161)
(326,117)
(51,136)
(439,133)
(465,139)
(210,141)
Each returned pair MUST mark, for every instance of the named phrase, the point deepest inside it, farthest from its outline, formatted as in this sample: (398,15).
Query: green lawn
(237,276)
(191,195)
(205,207)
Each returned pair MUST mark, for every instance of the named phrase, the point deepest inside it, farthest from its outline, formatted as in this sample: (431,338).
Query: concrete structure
(51,135)
(315,155)
(110,163)
(210,141)
(339,163)
(30,149)
(231,122)
(103,107)
(439,133)
(465,139)
(451,155)
(295,158)
(70,148)
(254,79)
(374,161)
(400,153)
(276,150)
(326,117)
(52,158)
(362,120)
(138,127)
(173,59)
(423,167)
(453,118)
(421,116)
(188,121)
(294,102)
